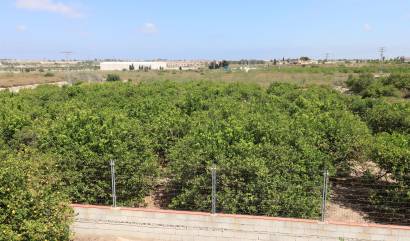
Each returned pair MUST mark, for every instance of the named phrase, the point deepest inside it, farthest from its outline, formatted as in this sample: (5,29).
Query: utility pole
(327,57)
(67,55)
(381,52)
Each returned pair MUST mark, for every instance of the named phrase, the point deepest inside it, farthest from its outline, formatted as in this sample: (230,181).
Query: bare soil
(338,213)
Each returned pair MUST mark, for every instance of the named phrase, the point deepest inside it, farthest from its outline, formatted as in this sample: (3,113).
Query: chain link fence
(348,199)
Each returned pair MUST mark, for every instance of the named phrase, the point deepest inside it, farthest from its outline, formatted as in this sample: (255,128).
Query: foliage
(266,147)
(113,77)
(367,85)
(32,207)
(355,69)
(270,145)
(382,116)
(377,89)
(86,142)
(400,81)
(392,153)
(217,65)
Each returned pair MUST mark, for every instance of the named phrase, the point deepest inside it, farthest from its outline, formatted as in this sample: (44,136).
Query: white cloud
(49,6)
(149,28)
(367,27)
(21,28)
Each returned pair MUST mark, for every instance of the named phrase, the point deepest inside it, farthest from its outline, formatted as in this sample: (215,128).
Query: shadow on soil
(377,201)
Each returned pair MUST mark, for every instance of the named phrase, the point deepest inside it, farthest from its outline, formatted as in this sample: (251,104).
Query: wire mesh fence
(368,200)
(343,199)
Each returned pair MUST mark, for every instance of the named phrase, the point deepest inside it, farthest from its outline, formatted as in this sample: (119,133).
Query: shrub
(281,88)
(264,153)
(113,77)
(395,85)
(32,206)
(85,142)
(400,81)
(361,83)
(377,89)
(254,172)
(386,117)
(49,74)
(270,146)
(392,153)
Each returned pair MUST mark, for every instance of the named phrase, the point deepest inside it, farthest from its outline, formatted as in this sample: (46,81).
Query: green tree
(32,205)
(392,153)
(304,58)
(85,142)
(113,77)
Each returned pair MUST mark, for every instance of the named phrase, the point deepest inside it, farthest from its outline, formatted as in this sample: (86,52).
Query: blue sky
(182,29)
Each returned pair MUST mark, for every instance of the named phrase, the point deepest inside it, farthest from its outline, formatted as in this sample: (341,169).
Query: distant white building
(186,65)
(137,65)
(154,65)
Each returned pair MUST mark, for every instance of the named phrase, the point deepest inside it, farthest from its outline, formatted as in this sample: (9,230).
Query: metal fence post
(324,195)
(114,196)
(213,171)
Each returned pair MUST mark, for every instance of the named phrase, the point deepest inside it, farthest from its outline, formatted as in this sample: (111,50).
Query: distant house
(152,65)
(307,62)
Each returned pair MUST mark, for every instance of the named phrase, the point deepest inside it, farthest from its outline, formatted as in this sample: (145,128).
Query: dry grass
(260,77)
(17,79)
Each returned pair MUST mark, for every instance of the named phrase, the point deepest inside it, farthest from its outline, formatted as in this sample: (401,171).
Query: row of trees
(270,147)
(366,85)
(142,67)
(217,65)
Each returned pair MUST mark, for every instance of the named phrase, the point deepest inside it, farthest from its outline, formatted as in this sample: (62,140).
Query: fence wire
(366,200)
(347,199)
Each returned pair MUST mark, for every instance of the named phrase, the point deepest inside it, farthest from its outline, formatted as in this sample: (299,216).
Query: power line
(67,55)
(381,51)
(327,56)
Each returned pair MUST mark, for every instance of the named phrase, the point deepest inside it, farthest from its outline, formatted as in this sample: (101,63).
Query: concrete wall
(145,224)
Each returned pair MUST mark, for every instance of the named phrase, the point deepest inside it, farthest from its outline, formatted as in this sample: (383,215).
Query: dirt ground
(337,213)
